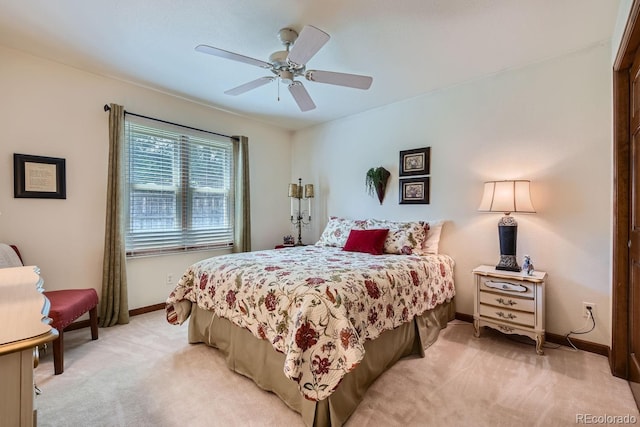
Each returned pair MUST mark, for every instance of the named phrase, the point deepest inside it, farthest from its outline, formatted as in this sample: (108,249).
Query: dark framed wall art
(414,191)
(415,162)
(39,177)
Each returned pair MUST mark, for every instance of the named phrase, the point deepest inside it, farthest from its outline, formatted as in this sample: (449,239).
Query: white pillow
(432,241)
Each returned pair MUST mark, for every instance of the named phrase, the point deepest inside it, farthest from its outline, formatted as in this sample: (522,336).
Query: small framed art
(414,191)
(39,177)
(415,162)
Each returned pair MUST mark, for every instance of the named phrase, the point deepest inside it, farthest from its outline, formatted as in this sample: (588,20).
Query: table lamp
(507,197)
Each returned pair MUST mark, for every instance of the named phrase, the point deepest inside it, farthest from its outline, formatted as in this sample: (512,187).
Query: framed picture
(415,162)
(414,191)
(38,177)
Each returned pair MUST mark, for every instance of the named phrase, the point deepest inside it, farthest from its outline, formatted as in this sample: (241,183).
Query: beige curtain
(242,207)
(114,307)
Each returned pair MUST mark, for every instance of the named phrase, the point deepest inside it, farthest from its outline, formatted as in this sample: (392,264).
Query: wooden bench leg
(58,353)
(93,318)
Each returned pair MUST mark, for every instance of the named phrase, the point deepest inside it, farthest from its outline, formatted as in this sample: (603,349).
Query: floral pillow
(337,231)
(403,237)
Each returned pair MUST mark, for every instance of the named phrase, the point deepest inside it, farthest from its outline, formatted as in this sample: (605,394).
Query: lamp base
(508,263)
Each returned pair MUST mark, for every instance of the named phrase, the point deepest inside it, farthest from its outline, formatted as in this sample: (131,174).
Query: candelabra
(297,216)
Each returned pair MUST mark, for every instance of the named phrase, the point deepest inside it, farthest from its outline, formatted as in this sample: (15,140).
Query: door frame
(619,355)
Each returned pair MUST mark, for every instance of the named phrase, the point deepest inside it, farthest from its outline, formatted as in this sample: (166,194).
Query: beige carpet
(146,374)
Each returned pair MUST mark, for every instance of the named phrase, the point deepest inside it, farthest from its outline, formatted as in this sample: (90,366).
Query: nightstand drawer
(504,314)
(504,286)
(508,301)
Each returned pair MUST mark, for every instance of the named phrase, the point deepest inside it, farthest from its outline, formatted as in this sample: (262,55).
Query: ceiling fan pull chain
(278,90)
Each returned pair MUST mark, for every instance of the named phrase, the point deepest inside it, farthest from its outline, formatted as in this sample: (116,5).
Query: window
(179,189)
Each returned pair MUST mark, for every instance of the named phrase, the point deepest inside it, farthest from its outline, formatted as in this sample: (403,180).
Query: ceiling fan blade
(301,96)
(340,79)
(248,86)
(203,48)
(309,42)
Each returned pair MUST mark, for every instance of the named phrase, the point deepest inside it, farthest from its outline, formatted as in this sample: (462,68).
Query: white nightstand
(511,302)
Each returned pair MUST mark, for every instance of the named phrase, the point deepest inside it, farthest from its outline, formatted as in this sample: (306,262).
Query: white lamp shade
(507,197)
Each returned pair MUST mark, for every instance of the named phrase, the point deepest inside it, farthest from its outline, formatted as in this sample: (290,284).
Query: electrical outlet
(170,281)
(585,311)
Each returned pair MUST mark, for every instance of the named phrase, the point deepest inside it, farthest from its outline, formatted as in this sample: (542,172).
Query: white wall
(549,122)
(50,109)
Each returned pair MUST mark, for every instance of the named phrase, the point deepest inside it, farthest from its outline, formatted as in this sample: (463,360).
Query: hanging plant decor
(377,180)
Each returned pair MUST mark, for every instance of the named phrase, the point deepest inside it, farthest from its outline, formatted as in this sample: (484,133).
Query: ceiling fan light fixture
(279,59)
(286,77)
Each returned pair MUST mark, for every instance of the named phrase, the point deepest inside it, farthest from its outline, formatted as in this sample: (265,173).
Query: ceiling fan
(288,64)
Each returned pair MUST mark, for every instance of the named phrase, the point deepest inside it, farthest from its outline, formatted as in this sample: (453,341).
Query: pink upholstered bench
(66,306)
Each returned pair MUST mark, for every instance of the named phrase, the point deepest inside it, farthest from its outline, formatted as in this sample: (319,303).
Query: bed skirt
(256,359)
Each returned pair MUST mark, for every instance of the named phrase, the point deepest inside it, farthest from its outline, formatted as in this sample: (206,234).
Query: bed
(317,324)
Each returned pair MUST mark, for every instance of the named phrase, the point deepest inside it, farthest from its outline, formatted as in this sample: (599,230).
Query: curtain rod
(107,108)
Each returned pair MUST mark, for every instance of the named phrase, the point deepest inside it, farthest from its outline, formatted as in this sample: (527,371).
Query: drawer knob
(508,302)
(506,316)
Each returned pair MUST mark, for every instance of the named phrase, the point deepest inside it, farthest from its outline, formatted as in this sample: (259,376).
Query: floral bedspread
(316,305)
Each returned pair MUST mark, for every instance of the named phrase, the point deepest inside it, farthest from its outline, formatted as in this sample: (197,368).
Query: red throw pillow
(367,241)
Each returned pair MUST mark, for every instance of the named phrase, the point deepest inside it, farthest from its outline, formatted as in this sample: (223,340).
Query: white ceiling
(409,47)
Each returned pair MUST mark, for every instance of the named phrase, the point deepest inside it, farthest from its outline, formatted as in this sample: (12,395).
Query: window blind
(179,189)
